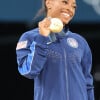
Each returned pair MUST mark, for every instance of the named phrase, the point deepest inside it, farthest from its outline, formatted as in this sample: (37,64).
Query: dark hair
(42,11)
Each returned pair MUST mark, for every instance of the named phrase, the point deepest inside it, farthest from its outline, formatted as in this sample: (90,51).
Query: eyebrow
(73,2)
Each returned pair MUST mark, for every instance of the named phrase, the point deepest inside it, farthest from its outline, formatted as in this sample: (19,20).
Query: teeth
(66,14)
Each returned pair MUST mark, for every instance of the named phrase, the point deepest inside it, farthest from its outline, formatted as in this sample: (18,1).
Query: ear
(48,4)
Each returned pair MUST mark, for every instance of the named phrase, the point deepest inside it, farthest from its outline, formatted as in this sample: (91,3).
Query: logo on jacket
(72,42)
(21,44)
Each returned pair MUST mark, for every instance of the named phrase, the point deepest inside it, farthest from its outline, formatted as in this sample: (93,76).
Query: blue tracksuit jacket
(61,69)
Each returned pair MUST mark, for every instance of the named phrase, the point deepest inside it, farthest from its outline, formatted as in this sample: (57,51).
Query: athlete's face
(62,9)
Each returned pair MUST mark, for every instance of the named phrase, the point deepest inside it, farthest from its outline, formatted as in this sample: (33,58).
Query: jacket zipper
(66,73)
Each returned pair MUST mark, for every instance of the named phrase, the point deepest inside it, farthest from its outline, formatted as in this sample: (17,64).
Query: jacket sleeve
(87,65)
(31,56)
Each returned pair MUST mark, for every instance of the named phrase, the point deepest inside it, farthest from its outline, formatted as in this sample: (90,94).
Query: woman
(60,69)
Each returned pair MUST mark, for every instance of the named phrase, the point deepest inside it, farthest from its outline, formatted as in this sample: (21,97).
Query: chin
(65,22)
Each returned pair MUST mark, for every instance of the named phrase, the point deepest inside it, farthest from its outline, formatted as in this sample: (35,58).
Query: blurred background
(16,17)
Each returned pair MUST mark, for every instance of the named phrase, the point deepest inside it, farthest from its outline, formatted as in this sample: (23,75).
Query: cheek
(55,11)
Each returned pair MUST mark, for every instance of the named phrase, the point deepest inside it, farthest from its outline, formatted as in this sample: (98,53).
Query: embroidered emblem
(72,42)
(22,44)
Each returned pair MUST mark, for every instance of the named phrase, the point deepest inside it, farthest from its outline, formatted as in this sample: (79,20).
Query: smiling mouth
(65,14)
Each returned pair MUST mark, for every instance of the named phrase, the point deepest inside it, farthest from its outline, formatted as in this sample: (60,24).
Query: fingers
(44,23)
(44,27)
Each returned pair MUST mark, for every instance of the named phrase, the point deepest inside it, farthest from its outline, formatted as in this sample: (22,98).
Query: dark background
(16,17)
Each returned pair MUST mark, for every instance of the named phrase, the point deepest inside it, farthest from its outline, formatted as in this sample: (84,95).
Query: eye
(74,6)
(65,1)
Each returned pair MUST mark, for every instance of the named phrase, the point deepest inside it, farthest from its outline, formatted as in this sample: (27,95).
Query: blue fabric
(61,70)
